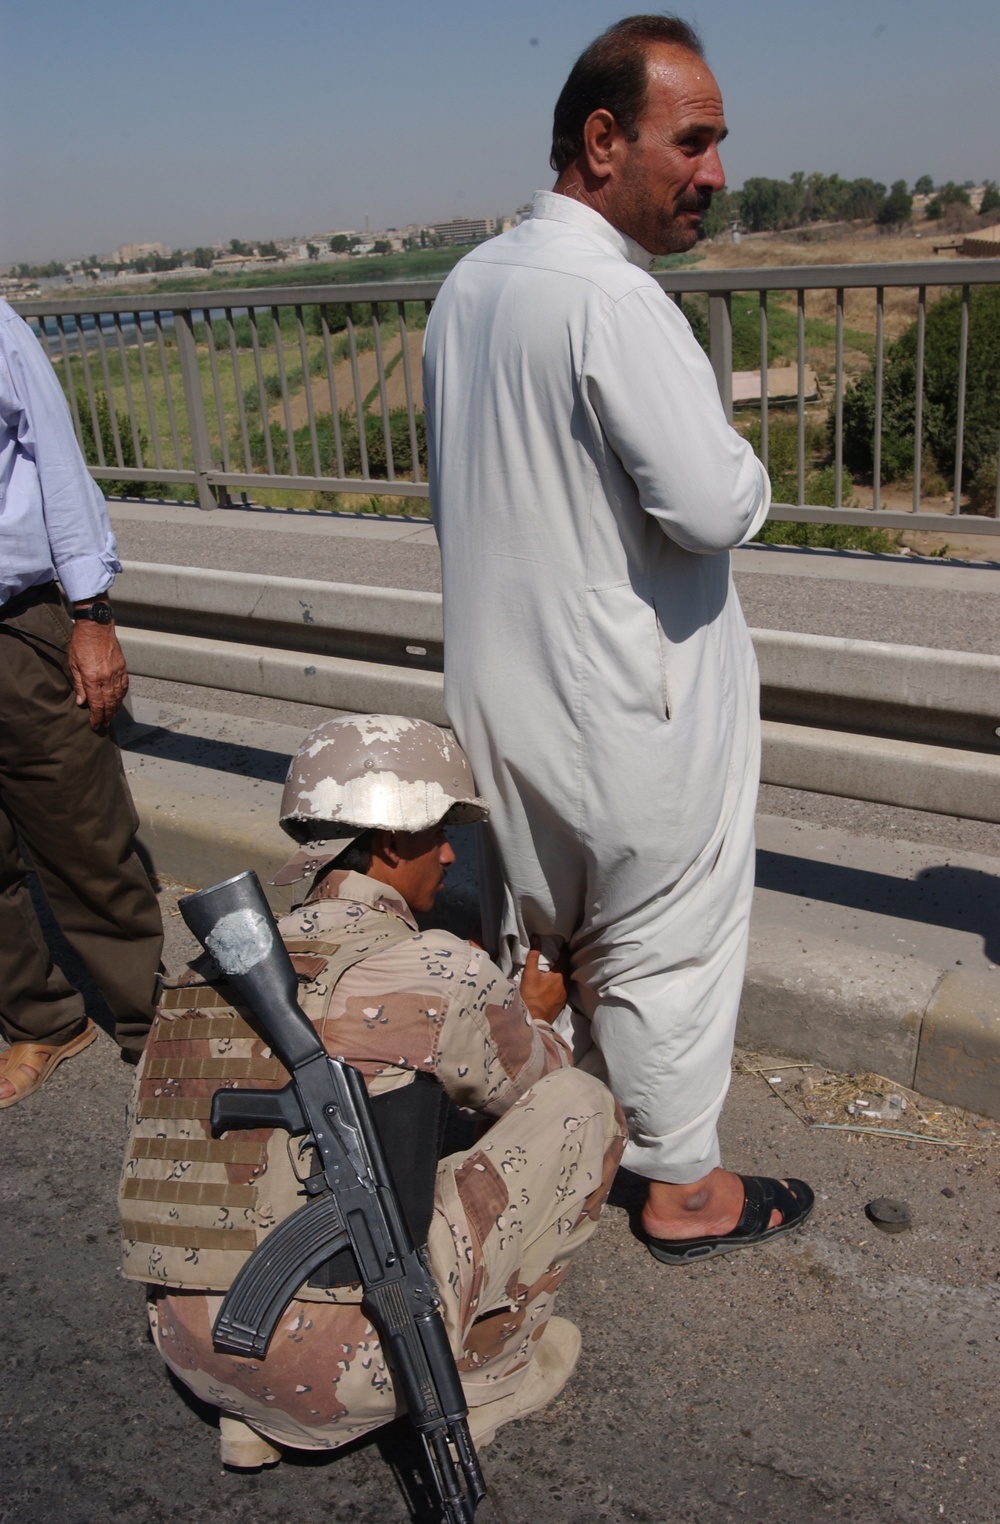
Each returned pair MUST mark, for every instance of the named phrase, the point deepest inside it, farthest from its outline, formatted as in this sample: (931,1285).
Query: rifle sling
(410,1123)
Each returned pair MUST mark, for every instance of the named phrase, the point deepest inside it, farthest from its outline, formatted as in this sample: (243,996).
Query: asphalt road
(839,1375)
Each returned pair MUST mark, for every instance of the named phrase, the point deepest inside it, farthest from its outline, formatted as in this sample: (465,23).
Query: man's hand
(97,665)
(545,993)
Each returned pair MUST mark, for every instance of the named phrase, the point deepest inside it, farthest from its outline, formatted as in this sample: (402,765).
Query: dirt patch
(769,250)
(343,382)
(763,250)
(860,1103)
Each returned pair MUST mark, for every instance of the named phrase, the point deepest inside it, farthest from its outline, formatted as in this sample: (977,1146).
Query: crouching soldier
(417,1013)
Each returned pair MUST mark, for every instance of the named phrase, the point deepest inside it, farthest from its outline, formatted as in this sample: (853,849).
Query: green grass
(165,381)
(782,330)
(417,264)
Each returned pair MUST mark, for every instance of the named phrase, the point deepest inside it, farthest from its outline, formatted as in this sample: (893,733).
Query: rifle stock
(355,1200)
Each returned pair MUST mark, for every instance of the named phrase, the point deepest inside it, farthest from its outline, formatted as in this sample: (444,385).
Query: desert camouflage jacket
(193,1208)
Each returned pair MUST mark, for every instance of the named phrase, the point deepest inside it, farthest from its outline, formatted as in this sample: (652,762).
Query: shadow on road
(961,899)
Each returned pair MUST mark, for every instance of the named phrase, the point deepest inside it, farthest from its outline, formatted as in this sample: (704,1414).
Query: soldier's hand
(97,666)
(545,992)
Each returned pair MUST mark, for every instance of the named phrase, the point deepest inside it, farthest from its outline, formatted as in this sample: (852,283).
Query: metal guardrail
(317,389)
(897,725)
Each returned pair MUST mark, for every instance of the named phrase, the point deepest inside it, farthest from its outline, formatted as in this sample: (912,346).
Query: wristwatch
(100,613)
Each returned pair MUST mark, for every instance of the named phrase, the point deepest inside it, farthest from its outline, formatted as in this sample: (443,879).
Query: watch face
(99,613)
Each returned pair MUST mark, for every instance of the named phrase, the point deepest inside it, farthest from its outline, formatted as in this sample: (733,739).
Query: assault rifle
(352,1202)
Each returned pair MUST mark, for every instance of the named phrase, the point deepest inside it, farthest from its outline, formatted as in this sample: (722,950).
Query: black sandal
(762,1196)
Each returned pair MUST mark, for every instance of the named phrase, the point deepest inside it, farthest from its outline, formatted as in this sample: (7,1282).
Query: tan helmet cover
(378,772)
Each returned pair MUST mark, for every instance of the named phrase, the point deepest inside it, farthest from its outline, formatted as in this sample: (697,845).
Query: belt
(43,592)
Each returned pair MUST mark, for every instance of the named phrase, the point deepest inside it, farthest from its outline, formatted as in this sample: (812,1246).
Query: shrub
(829,537)
(941,349)
(111,487)
(820,490)
(399,434)
(983,489)
(782,461)
(991,198)
(948,196)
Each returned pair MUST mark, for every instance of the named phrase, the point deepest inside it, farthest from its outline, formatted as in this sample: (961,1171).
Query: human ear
(600,135)
(386,848)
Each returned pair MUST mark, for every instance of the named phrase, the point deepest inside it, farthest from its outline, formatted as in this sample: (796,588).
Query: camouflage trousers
(509,1216)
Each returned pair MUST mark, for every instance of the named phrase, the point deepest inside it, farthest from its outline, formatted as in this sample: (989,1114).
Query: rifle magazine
(274,1272)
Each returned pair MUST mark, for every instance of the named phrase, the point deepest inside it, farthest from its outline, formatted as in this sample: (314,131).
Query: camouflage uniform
(509,1213)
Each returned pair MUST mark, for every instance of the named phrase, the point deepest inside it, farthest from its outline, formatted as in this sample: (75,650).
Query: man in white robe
(586,488)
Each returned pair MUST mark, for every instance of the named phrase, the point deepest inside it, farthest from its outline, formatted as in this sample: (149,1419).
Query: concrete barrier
(906,986)
(898,725)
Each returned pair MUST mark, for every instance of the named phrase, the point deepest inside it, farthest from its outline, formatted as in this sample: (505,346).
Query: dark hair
(611,75)
(355,858)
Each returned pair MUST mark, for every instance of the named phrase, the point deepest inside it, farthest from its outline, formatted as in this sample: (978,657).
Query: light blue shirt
(53,518)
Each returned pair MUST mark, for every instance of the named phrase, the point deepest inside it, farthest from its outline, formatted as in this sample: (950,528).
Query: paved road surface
(842,1375)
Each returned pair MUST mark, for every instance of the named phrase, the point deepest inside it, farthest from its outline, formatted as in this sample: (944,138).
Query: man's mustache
(695,201)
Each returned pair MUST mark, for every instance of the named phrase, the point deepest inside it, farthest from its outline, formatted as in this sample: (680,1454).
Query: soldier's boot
(242,1447)
(551,1366)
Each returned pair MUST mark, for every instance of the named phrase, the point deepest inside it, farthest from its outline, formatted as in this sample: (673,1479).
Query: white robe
(586,488)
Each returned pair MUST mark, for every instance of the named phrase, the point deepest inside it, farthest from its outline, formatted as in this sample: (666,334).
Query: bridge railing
(899,725)
(317,389)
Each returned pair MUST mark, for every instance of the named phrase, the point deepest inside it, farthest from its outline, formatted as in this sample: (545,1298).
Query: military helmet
(377,772)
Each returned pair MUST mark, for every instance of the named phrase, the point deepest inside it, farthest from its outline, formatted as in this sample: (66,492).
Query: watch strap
(99,612)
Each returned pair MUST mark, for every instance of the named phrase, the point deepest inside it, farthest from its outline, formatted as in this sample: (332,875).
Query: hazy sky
(195,121)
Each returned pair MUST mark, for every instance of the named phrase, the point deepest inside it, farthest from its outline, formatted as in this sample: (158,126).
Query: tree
(339,243)
(766,205)
(947,197)
(991,198)
(312,250)
(382,246)
(863,200)
(941,352)
(33,272)
(924,186)
(202,258)
(722,213)
(897,207)
(236,246)
(823,197)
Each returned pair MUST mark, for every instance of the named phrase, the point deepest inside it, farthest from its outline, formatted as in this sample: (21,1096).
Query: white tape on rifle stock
(239,941)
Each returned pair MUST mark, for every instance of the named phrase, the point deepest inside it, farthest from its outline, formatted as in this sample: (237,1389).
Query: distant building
(465,229)
(130,252)
(16,287)
(235,262)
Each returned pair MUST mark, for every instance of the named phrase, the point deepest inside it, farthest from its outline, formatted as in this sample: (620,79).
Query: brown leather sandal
(27,1065)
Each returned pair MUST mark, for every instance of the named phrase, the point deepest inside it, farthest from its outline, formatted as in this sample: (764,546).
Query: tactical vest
(193,1207)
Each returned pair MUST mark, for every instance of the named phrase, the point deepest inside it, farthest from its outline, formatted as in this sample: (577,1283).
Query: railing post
(194,402)
(720,342)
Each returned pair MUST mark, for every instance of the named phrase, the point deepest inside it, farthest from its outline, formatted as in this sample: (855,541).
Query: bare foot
(31,1069)
(707,1207)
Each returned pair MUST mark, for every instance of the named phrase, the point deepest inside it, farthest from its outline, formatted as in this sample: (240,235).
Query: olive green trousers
(63,794)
